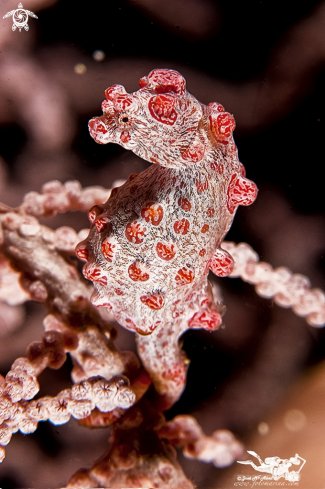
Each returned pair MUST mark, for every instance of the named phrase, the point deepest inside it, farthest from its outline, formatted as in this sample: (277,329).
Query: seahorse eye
(125,119)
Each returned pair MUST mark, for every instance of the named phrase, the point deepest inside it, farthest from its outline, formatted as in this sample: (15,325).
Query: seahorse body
(151,245)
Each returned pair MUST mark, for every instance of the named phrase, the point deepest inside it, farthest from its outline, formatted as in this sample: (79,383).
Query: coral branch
(221,448)
(287,289)
(56,197)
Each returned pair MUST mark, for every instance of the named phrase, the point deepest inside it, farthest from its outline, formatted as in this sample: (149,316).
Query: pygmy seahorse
(152,244)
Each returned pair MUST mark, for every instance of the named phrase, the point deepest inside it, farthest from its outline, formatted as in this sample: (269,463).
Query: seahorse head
(161,122)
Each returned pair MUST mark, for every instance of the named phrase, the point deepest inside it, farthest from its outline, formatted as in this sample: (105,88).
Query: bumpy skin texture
(151,245)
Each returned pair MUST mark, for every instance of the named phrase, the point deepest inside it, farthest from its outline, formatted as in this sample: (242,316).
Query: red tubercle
(205,228)
(95,211)
(82,251)
(136,273)
(222,125)
(96,125)
(184,276)
(222,263)
(153,301)
(107,106)
(122,102)
(143,82)
(241,191)
(135,232)
(210,212)
(216,107)
(165,251)
(153,213)
(202,252)
(108,249)
(185,204)
(182,226)
(111,92)
(163,81)
(208,319)
(95,275)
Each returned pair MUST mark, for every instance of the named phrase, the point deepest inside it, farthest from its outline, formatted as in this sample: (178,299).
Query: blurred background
(263,374)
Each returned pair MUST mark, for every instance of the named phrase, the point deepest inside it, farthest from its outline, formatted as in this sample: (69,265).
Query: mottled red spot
(205,228)
(95,275)
(108,249)
(221,263)
(153,213)
(163,81)
(135,232)
(183,184)
(216,107)
(111,92)
(202,252)
(162,109)
(201,186)
(96,128)
(94,212)
(207,319)
(119,291)
(174,180)
(184,204)
(101,224)
(166,251)
(100,127)
(210,212)
(217,167)
(182,226)
(125,137)
(154,301)
(241,191)
(107,106)
(122,102)
(194,153)
(205,302)
(222,126)
(184,276)
(136,273)
(133,176)
(82,252)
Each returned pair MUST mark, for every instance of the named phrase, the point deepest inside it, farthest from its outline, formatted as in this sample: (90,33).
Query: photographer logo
(20,18)
(276,469)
